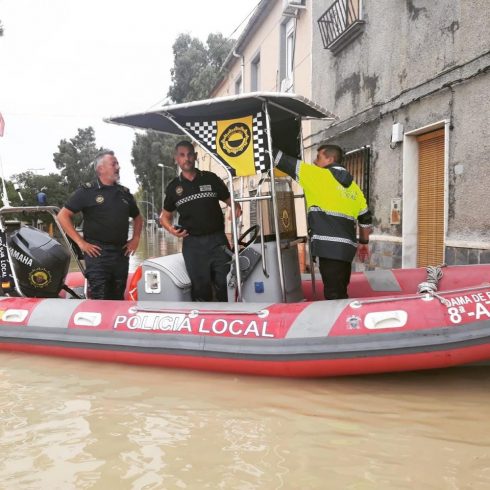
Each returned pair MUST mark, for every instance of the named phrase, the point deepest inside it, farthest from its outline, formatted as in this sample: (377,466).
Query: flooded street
(155,242)
(73,424)
(69,424)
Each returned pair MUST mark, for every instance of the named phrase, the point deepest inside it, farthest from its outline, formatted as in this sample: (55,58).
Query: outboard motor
(39,261)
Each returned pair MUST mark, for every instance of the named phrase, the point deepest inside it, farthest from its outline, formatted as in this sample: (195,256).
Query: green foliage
(148,151)
(75,158)
(196,66)
(194,74)
(29,184)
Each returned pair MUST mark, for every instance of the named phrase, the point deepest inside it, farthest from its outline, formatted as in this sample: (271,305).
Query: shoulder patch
(87,185)
(125,189)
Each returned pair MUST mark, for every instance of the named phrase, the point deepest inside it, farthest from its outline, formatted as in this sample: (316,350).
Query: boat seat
(165,278)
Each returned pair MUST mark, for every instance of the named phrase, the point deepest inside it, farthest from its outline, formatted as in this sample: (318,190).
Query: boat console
(164,278)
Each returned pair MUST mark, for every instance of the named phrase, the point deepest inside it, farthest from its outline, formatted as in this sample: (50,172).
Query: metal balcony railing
(340,24)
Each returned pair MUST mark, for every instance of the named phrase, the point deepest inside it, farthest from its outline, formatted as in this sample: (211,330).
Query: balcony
(341,24)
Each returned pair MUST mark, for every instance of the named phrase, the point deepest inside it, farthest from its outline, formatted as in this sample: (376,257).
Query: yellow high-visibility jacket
(335,203)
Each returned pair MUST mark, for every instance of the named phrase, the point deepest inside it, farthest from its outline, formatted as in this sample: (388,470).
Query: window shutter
(430,214)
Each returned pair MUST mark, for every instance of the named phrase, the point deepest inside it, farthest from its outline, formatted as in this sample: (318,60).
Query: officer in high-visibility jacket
(336,208)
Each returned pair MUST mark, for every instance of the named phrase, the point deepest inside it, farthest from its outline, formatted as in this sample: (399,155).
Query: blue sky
(66,64)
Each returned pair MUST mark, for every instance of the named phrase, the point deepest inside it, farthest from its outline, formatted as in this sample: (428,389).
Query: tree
(29,184)
(196,66)
(148,151)
(1,29)
(75,158)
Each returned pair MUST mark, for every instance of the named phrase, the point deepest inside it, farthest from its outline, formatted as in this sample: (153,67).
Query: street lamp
(163,167)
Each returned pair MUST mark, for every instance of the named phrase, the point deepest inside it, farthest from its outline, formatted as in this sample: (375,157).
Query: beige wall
(266,40)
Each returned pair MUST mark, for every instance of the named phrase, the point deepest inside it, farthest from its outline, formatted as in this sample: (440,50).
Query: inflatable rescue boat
(387,325)
(274,323)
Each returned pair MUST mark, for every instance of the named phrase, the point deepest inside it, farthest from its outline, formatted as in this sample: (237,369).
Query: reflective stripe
(278,158)
(296,170)
(316,209)
(200,195)
(325,238)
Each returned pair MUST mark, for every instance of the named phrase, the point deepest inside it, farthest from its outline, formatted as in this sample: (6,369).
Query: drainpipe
(242,68)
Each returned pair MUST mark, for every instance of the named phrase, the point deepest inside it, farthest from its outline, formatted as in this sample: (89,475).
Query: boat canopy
(281,107)
(207,121)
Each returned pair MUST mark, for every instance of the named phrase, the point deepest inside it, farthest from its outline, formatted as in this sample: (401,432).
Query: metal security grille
(357,163)
(342,16)
(430,214)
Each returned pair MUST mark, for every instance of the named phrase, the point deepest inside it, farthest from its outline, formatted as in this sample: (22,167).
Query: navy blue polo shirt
(197,202)
(106,210)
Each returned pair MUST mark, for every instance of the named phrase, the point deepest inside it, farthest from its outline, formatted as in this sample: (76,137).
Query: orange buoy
(133,285)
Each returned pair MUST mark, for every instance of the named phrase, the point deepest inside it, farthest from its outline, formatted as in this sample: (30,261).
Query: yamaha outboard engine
(39,261)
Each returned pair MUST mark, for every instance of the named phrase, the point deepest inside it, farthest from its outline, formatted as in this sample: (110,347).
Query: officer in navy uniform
(106,207)
(195,195)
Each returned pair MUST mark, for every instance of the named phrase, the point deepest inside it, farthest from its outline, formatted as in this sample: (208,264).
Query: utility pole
(163,167)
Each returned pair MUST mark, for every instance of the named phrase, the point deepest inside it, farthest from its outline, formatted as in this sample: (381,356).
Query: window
(255,74)
(340,24)
(288,40)
(357,163)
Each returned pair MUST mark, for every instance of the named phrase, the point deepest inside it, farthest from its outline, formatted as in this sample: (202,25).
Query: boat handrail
(193,312)
(425,296)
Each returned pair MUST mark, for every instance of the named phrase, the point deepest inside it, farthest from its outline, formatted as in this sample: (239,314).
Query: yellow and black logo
(285,220)
(235,139)
(99,199)
(39,278)
(179,190)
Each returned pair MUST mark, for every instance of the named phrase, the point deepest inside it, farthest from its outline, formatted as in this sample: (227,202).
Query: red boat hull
(374,333)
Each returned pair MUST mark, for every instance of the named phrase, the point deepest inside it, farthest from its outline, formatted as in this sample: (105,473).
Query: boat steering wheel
(253,231)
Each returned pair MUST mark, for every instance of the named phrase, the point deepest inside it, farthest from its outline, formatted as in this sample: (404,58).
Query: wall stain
(451,28)
(402,76)
(352,85)
(413,10)
(370,84)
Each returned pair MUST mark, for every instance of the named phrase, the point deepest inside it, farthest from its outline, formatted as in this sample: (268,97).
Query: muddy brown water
(69,424)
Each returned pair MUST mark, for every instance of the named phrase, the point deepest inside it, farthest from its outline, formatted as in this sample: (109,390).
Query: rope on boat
(428,290)
(434,275)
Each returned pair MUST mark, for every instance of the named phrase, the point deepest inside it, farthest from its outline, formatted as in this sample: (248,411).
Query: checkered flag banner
(241,143)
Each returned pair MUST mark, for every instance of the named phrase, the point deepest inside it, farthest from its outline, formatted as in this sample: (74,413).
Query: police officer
(195,195)
(106,207)
(335,204)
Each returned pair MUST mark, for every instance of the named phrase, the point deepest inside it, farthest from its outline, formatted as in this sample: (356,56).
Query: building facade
(409,82)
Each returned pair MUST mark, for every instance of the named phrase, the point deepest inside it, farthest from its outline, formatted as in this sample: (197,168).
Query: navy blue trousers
(336,277)
(107,274)
(207,265)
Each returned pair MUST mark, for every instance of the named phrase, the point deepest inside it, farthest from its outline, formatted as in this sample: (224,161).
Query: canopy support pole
(274,205)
